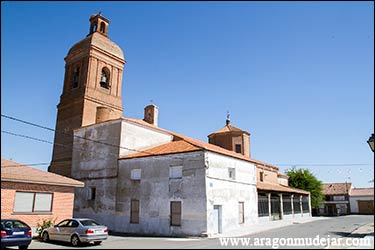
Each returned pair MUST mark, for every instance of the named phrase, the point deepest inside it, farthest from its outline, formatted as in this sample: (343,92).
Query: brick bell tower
(91,92)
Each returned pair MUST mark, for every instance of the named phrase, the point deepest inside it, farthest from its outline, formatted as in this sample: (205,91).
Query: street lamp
(370,142)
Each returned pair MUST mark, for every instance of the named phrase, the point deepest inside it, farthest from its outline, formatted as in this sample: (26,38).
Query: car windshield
(89,223)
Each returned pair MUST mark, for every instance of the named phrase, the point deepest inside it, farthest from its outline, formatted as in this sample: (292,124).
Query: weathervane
(228,120)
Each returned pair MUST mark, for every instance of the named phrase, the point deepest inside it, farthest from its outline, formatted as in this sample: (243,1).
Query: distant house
(336,196)
(362,201)
(31,194)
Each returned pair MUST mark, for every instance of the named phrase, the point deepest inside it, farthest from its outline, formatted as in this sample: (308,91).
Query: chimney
(151,114)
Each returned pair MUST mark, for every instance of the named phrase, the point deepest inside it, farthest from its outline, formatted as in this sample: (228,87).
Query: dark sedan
(15,233)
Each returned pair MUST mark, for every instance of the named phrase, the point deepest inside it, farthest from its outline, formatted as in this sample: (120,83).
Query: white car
(76,231)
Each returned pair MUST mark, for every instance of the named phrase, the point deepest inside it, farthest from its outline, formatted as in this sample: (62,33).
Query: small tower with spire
(231,138)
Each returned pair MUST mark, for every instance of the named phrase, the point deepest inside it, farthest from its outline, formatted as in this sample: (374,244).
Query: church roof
(17,172)
(99,41)
(228,128)
(183,144)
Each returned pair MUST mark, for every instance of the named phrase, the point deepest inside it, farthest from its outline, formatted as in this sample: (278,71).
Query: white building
(140,178)
(149,180)
(362,200)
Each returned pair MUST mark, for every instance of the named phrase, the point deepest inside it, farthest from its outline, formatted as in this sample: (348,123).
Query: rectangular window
(232,173)
(134,211)
(287,204)
(241,212)
(305,204)
(176,213)
(175,172)
(261,176)
(263,205)
(91,193)
(238,148)
(28,202)
(338,197)
(43,202)
(135,174)
(296,204)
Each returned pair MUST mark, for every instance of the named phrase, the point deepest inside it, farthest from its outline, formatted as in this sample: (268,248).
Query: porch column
(269,206)
(281,206)
(291,200)
(310,209)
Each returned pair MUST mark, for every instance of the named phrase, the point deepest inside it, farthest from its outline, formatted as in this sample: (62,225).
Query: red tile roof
(280,188)
(226,129)
(167,148)
(182,149)
(336,188)
(362,192)
(17,172)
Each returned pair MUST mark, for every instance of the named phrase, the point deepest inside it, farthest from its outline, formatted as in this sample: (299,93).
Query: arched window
(75,78)
(94,27)
(102,27)
(104,78)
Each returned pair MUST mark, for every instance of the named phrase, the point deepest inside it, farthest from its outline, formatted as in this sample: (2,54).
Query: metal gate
(275,207)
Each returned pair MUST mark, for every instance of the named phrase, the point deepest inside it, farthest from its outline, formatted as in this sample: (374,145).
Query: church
(140,178)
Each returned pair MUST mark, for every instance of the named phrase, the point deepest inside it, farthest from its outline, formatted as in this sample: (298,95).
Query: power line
(325,164)
(80,137)
(72,134)
(136,150)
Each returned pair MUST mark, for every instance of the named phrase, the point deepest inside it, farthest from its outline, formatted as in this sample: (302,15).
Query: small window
(135,174)
(75,78)
(238,148)
(176,213)
(175,172)
(64,223)
(28,202)
(241,212)
(261,176)
(92,193)
(102,27)
(73,223)
(232,173)
(104,78)
(134,211)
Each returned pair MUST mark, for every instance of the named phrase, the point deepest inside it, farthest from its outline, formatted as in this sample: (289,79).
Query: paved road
(338,227)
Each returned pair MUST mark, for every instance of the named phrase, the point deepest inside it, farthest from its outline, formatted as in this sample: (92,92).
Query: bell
(103,79)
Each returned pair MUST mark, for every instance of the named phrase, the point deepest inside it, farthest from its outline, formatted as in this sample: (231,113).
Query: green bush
(44,224)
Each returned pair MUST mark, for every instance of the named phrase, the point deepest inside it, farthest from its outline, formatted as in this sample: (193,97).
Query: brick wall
(62,203)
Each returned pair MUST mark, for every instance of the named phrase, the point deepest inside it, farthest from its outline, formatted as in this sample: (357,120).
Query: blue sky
(297,75)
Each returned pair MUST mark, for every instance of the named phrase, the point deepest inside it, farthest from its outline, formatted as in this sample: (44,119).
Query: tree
(305,180)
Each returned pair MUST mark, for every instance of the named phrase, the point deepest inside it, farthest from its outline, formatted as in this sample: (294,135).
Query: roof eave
(43,182)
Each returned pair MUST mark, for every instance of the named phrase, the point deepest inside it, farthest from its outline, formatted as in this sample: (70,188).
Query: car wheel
(97,242)
(75,240)
(45,237)
(23,247)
